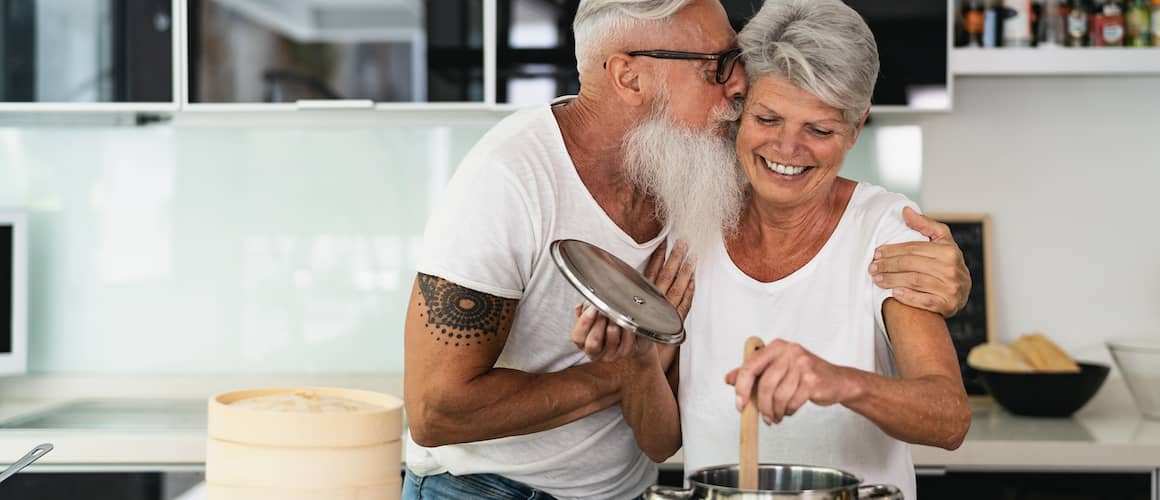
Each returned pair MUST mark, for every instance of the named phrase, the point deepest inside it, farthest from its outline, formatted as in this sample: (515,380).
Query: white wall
(147,241)
(1069,169)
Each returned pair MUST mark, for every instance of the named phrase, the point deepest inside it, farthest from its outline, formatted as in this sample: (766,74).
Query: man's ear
(624,79)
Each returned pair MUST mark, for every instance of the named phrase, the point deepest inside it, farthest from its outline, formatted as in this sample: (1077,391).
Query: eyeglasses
(725,60)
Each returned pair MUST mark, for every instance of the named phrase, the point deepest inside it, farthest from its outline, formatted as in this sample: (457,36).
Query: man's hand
(604,340)
(926,275)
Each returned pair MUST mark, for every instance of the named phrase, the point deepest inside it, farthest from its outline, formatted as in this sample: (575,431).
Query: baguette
(1043,355)
(997,358)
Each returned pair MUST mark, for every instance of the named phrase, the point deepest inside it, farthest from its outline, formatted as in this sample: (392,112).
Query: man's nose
(735,87)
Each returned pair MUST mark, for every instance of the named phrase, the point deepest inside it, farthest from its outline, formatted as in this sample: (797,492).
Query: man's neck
(594,136)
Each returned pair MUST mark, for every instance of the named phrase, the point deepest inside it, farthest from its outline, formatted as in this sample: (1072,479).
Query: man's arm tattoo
(461,316)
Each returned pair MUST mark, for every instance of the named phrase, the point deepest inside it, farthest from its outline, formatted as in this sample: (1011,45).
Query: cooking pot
(775,482)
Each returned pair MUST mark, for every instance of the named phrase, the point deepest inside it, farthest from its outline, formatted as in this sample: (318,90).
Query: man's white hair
(599,23)
(821,46)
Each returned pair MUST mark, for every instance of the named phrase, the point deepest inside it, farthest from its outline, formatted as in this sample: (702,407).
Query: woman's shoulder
(873,202)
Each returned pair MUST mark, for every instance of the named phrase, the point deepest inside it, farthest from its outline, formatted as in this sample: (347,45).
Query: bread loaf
(998,358)
(1043,355)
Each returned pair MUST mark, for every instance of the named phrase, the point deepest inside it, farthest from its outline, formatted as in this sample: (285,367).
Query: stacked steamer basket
(304,443)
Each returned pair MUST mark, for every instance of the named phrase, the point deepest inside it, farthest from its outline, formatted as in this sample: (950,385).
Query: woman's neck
(774,241)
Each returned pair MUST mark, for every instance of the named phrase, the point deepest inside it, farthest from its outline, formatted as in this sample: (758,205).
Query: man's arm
(452,389)
(648,398)
(927,275)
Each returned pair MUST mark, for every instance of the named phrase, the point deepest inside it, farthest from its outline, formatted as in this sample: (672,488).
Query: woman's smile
(785,170)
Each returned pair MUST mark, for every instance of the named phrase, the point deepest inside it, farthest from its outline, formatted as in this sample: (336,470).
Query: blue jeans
(469,487)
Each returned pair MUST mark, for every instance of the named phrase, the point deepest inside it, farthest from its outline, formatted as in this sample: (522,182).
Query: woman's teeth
(784,169)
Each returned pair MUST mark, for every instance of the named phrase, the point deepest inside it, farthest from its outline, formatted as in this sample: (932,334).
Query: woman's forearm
(929,410)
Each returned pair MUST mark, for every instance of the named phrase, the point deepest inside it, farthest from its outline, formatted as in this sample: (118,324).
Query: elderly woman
(849,375)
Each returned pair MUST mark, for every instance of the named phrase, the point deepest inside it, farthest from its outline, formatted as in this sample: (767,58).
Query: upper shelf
(1061,61)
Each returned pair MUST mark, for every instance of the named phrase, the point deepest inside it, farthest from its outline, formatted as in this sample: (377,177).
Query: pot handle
(879,492)
(667,493)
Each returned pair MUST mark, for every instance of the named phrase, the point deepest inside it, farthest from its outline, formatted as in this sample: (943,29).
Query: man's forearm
(504,402)
(650,408)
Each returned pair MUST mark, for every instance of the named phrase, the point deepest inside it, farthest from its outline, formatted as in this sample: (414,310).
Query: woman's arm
(925,405)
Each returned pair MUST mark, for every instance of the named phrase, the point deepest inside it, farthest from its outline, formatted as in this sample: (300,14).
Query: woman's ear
(624,79)
(858,129)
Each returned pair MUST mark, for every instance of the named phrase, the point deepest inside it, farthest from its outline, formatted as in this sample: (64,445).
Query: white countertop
(1109,433)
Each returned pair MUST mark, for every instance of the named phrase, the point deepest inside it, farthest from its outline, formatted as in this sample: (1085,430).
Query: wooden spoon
(747,479)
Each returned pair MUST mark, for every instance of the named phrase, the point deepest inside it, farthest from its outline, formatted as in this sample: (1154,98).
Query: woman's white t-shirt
(830,306)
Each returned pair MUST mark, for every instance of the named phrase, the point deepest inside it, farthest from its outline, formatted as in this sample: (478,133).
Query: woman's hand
(926,275)
(787,376)
(604,340)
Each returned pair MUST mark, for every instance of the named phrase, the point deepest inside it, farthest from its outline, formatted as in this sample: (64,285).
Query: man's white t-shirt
(831,307)
(514,193)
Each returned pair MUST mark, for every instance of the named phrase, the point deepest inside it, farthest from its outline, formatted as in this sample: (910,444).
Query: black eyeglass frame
(731,56)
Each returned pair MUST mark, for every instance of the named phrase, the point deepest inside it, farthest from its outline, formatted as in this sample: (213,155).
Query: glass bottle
(1138,24)
(993,24)
(1077,24)
(1107,24)
(1156,23)
(1052,30)
(974,19)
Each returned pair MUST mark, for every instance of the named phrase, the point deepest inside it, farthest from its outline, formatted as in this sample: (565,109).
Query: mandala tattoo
(461,316)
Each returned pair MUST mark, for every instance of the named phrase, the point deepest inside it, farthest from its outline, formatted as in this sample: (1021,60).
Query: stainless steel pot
(775,482)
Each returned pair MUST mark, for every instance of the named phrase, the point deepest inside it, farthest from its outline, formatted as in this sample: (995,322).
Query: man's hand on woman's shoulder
(926,275)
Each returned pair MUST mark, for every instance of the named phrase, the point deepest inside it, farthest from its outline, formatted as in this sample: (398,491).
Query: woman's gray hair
(821,46)
(600,22)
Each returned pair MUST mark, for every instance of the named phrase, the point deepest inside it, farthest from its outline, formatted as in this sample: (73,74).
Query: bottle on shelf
(993,24)
(1156,23)
(1034,17)
(974,19)
(1077,24)
(1107,24)
(1138,24)
(1016,23)
(1052,29)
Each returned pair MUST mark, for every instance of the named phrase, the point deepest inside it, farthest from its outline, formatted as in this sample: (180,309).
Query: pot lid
(618,291)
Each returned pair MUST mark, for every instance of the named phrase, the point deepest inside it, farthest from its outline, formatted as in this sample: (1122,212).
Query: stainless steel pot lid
(618,291)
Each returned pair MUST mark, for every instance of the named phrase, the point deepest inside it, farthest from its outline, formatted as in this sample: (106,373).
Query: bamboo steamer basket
(350,453)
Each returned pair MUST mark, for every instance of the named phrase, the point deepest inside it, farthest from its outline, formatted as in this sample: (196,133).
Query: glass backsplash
(247,249)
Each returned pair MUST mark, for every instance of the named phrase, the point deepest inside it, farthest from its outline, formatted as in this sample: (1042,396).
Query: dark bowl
(1045,394)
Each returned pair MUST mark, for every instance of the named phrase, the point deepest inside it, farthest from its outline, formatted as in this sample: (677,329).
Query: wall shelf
(1057,61)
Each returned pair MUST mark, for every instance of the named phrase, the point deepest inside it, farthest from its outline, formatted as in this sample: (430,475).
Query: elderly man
(500,402)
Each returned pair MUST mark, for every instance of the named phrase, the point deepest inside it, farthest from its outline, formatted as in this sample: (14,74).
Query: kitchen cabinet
(92,55)
(1012,484)
(295,54)
(103,484)
(1038,485)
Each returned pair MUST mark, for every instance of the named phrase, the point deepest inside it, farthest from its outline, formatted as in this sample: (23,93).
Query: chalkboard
(973,325)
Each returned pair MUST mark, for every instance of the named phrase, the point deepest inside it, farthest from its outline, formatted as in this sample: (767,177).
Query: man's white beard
(693,174)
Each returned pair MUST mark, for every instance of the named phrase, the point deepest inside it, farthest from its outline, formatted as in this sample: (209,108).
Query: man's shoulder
(526,136)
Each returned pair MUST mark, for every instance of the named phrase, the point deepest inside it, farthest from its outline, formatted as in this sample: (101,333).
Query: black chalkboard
(973,325)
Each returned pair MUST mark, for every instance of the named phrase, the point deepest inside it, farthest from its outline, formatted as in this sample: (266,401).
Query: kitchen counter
(1107,434)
